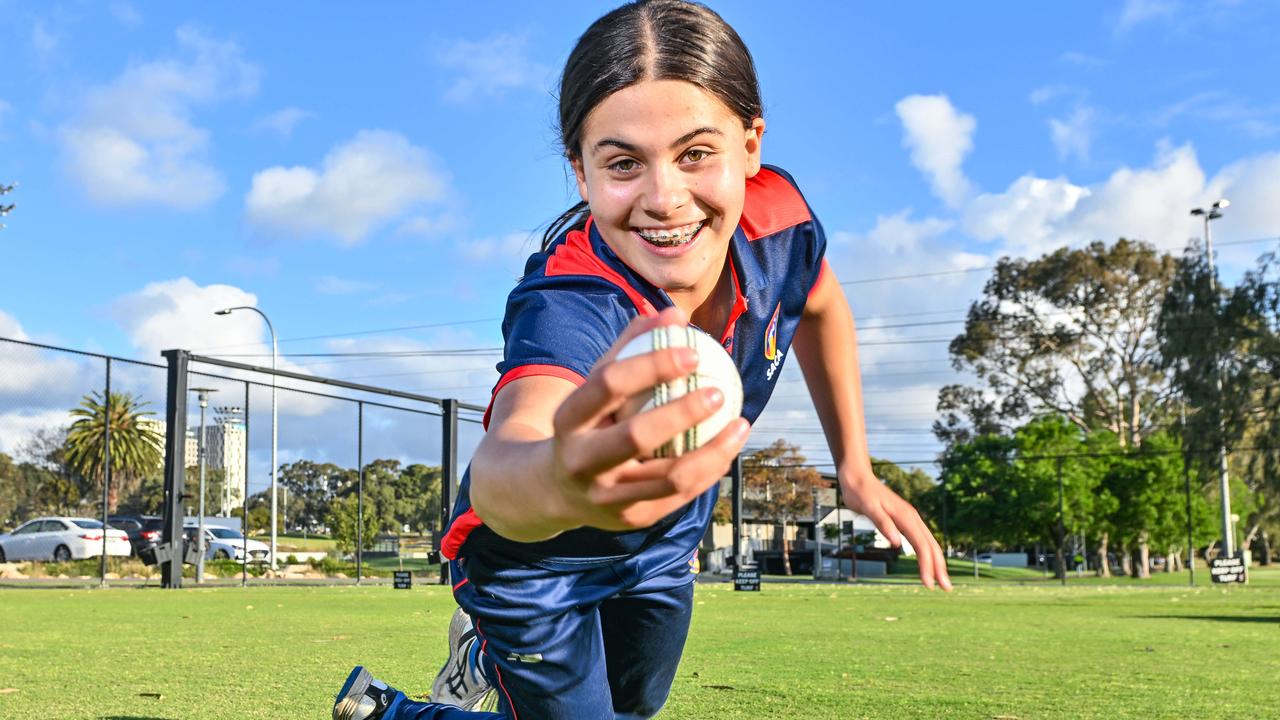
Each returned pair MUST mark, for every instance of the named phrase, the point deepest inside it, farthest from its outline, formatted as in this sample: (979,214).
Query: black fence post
(175,445)
(735,479)
(106,474)
(448,472)
(244,495)
(1062,529)
(359,491)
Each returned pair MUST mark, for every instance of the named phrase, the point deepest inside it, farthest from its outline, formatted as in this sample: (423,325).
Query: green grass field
(790,651)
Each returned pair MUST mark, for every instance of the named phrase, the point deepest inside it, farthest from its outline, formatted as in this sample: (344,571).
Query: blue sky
(351,169)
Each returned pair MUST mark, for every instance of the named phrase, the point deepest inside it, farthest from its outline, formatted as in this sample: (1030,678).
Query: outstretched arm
(826,346)
(553,459)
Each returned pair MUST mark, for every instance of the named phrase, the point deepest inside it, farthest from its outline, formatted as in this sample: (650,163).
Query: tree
(1071,333)
(343,519)
(779,487)
(1004,489)
(1223,346)
(136,448)
(417,490)
(1149,507)
(312,487)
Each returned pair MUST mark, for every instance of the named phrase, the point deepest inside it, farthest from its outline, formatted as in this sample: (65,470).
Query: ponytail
(575,218)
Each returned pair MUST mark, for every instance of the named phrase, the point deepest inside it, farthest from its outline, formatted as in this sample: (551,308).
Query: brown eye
(695,155)
(624,166)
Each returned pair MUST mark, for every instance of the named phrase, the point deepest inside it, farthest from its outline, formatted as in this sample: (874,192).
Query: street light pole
(203,395)
(1228,533)
(274,429)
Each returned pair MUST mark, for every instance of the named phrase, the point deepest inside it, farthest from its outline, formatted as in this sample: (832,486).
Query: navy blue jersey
(577,297)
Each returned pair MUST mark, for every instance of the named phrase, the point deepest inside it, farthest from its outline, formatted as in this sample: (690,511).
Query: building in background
(225,445)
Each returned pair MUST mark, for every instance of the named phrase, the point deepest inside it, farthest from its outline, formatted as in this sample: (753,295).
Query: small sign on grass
(1229,570)
(402,579)
(746,577)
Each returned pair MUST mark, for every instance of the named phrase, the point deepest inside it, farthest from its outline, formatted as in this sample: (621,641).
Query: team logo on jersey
(771,336)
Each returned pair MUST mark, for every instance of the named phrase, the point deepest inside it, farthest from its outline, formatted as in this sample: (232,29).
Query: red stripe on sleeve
(528,371)
(824,274)
(458,532)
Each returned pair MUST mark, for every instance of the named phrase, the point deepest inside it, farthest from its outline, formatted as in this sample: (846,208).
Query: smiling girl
(571,548)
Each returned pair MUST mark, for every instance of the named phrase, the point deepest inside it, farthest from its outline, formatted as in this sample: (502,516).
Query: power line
(941,273)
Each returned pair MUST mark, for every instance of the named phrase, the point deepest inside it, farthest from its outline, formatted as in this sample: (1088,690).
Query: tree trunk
(1266,548)
(1171,558)
(1250,536)
(1104,564)
(786,550)
(1126,561)
(1144,557)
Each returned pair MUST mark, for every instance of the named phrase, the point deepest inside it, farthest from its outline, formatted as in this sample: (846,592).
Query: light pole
(274,353)
(203,395)
(1228,535)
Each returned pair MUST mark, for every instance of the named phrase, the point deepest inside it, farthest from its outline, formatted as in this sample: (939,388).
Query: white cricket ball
(715,369)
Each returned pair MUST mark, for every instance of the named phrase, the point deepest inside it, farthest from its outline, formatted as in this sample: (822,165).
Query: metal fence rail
(366,438)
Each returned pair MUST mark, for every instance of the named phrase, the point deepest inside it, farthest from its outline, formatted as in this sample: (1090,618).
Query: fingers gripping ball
(715,369)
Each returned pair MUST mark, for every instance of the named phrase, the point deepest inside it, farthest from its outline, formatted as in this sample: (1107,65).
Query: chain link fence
(361,474)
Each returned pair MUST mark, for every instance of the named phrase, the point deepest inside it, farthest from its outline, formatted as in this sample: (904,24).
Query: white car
(61,539)
(222,543)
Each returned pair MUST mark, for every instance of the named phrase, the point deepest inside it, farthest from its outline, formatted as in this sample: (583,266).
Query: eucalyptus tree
(1071,333)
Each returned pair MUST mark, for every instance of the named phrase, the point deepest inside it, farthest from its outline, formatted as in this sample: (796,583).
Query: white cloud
(17,428)
(1074,135)
(331,285)
(443,223)
(491,67)
(133,141)
(1136,12)
(281,122)
(362,185)
(1257,120)
(508,252)
(939,137)
(29,373)
(179,314)
(44,42)
(126,14)
(1034,215)
(897,233)
(1079,59)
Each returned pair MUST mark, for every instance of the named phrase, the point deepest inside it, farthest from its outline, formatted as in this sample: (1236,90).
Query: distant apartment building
(225,447)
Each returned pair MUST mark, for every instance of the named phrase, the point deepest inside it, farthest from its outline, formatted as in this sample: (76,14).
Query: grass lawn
(790,651)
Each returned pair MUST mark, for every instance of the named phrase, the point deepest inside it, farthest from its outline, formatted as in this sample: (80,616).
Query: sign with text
(746,577)
(1229,570)
(402,579)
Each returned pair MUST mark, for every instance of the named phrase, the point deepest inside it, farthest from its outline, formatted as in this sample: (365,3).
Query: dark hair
(651,40)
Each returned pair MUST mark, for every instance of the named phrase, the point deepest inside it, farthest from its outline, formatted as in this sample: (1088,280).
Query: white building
(225,445)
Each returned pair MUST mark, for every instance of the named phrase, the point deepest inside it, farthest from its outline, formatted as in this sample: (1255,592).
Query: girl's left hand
(895,518)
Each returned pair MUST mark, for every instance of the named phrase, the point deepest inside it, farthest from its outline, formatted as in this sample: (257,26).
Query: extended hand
(895,518)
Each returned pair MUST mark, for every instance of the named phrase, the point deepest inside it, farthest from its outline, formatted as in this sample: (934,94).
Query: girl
(571,548)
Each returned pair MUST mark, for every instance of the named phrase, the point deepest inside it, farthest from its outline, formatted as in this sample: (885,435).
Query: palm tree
(136,446)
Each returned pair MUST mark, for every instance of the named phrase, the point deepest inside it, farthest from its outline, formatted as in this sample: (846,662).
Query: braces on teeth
(669,239)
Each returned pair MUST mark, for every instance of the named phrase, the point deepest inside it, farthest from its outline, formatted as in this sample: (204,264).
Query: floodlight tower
(1228,535)
(202,394)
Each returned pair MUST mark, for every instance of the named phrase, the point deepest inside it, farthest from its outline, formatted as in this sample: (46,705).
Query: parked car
(61,539)
(144,530)
(222,543)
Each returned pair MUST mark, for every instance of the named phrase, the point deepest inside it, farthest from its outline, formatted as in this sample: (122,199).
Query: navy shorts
(590,638)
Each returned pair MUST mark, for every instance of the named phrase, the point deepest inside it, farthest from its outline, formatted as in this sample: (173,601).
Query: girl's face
(663,166)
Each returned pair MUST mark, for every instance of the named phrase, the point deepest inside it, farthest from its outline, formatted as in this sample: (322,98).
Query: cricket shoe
(461,682)
(362,697)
